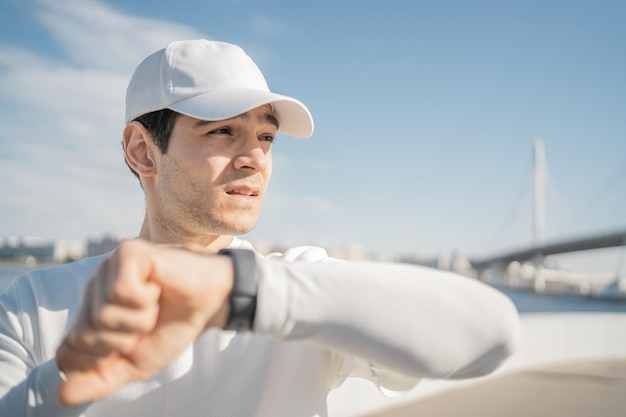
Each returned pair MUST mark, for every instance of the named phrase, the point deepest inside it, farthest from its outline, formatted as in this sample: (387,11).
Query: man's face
(213,177)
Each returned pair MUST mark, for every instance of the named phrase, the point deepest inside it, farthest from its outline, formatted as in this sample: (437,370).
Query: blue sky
(425,111)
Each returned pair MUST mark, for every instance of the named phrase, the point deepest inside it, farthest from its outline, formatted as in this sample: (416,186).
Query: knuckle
(120,291)
(79,340)
(126,245)
(129,247)
(95,318)
(149,319)
(127,343)
(101,319)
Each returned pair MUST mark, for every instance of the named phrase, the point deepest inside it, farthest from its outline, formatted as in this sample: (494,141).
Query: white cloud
(60,158)
(96,35)
(15,57)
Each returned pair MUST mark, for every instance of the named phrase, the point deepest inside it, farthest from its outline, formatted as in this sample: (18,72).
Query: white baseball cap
(209,80)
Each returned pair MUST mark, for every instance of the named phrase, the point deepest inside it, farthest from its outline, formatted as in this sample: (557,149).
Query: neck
(212,243)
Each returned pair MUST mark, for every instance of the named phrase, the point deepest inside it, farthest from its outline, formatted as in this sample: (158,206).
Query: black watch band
(243,296)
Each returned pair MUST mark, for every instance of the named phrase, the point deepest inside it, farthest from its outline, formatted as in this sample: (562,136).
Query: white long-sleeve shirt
(317,323)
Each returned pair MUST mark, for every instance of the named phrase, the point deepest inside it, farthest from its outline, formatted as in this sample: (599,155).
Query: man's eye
(220,131)
(267,138)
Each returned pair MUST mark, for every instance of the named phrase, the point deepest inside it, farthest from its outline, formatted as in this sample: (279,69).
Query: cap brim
(293,116)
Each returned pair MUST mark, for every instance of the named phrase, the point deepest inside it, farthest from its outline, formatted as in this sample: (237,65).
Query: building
(101,244)
(26,248)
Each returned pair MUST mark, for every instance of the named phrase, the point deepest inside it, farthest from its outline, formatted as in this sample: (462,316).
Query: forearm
(416,321)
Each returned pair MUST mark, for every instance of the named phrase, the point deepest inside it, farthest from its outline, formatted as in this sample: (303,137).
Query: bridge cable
(523,195)
(612,180)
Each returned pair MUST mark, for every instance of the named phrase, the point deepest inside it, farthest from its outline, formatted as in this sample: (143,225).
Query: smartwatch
(243,296)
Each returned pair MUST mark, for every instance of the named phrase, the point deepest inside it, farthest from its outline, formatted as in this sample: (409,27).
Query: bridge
(526,268)
(606,240)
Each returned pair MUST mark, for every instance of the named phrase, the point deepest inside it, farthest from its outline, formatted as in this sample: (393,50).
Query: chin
(239,226)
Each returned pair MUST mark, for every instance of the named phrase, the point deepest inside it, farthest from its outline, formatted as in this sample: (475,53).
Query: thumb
(81,386)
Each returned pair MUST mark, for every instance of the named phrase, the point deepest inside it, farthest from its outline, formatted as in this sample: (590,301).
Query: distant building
(26,248)
(35,250)
(99,245)
(420,259)
(68,250)
(446,261)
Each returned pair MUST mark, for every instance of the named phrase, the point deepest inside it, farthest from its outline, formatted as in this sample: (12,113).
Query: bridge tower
(539,194)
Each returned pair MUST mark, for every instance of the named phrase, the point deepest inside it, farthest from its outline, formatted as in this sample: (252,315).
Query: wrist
(243,297)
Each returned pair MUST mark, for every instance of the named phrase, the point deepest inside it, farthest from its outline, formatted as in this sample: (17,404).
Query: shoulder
(63,274)
(302,254)
(52,286)
(295,254)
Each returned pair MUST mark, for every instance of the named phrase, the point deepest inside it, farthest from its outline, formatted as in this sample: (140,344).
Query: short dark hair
(159,124)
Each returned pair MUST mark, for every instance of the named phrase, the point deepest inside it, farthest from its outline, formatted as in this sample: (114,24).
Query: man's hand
(144,306)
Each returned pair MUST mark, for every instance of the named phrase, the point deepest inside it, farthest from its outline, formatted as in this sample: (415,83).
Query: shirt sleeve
(27,387)
(405,322)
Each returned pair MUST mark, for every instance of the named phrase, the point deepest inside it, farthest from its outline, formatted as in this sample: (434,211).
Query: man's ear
(139,149)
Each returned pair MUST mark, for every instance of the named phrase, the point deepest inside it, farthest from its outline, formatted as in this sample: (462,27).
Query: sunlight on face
(213,178)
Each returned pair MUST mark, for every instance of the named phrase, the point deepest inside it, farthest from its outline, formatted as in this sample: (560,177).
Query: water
(529,302)
(526,301)
(9,271)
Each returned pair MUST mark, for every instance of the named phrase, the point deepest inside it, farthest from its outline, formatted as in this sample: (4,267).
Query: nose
(251,156)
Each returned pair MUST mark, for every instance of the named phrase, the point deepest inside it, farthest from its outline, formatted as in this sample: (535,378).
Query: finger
(77,360)
(159,348)
(113,317)
(97,378)
(118,299)
(102,343)
(128,282)
(97,333)
(80,388)
(84,379)
(115,330)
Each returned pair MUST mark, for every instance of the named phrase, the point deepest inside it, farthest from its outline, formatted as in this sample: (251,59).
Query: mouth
(243,191)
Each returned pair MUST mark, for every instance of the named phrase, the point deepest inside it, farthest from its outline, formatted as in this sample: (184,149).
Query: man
(188,320)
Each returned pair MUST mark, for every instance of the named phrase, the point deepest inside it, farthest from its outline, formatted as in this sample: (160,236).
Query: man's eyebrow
(271,119)
(267,117)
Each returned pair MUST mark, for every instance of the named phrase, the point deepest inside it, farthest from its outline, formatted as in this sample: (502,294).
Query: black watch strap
(243,296)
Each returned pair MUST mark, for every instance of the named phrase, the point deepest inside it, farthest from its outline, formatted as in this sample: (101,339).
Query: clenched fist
(142,308)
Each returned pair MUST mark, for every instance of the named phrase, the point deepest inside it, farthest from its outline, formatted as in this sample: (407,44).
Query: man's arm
(407,319)
(147,303)
(412,320)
